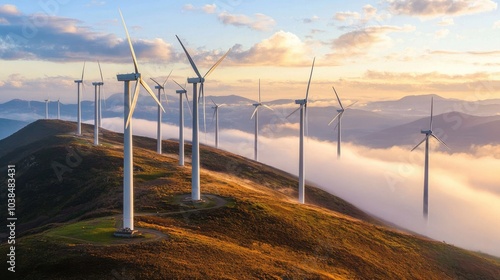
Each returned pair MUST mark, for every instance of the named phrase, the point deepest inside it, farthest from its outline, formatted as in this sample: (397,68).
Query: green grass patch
(91,231)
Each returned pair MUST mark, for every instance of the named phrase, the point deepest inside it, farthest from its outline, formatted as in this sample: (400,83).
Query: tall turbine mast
(256,135)
(182,92)
(340,114)
(79,109)
(428,133)
(160,87)
(303,117)
(195,161)
(129,106)
(216,116)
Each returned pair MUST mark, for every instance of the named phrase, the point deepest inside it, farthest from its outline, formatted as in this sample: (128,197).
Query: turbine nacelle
(257,104)
(301,101)
(159,87)
(196,80)
(97,83)
(180,91)
(78,81)
(128,77)
(340,111)
(426,132)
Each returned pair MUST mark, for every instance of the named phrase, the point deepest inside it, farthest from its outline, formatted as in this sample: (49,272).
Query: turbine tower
(79,106)
(340,114)
(47,108)
(160,87)
(97,107)
(129,106)
(181,92)
(256,115)
(216,116)
(99,123)
(428,133)
(303,117)
(195,161)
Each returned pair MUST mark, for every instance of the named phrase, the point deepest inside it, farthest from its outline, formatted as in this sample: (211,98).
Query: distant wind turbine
(216,116)
(47,108)
(160,87)
(303,117)
(340,114)
(102,98)
(195,161)
(97,107)
(129,106)
(181,92)
(256,115)
(428,134)
(79,105)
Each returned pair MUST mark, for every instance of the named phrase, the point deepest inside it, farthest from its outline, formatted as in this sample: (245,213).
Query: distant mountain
(248,226)
(460,131)
(8,126)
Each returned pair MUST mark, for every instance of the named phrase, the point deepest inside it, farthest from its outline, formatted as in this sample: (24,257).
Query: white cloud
(446,21)
(438,8)
(259,22)
(441,33)
(496,24)
(209,8)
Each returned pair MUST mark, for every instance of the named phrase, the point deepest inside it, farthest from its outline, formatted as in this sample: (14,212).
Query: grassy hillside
(249,225)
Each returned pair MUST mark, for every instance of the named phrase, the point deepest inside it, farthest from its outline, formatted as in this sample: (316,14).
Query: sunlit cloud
(441,33)
(209,8)
(259,22)
(310,20)
(438,8)
(446,21)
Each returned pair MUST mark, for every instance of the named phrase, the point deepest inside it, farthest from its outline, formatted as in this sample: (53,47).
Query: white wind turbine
(79,105)
(195,161)
(256,115)
(101,97)
(181,92)
(47,108)
(303,117)
(216,116)
(129,106)
(428,134)
(340,114)
(160,87)
(97,107)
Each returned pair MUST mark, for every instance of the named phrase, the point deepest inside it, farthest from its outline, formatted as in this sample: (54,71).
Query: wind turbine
(97,107)
(47,108)
(303,117)
(181,92)
(58,109)
(129,106)
(216,116)
(195,161)
(256,115)
(339,115)
(79,110)
(160,87)
(100,97)
(428,134)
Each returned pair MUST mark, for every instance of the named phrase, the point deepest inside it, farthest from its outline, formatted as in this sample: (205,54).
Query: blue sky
(369,50)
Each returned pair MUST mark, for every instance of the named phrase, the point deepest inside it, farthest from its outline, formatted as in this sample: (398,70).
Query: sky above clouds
(370,50)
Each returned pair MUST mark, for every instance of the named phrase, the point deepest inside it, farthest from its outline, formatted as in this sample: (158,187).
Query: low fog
(464,189)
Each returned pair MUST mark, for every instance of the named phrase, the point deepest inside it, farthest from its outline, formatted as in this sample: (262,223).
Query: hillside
(249,226)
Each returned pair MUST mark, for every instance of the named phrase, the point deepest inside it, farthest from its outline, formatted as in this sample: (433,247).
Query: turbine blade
(163,85)
(293,112)
(134,58)
(189,58)
(419,143)
(336,125)
(259,91)
(310,76)
(213,116)
(179,85)
(216,64)
(334,118)
(352,104)
(134,102)
(148,89)
(340,103)
(268,107)
(83,71)
(213,101)
(102,79)
(165,94)
(432,105)
(306,126)
(254,111)
(155,81)
(189,107)
(440,141)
